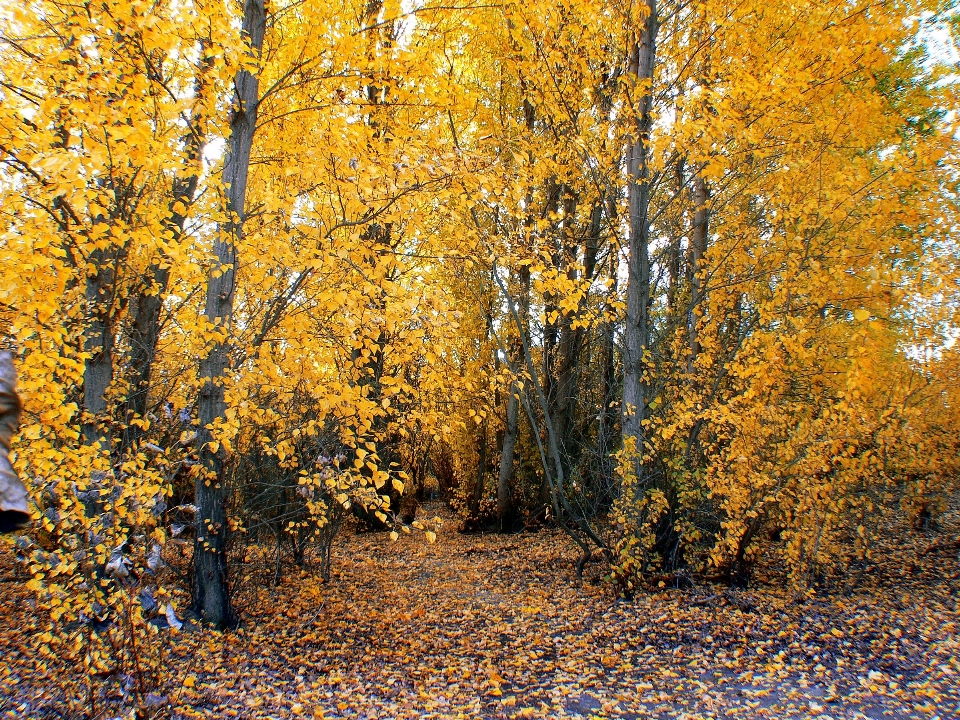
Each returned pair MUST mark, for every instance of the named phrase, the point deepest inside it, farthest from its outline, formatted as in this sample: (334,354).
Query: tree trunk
(505,478)
(698,249)
(211,594)
(551,328)
(673,251)
(98,343)
(569,347)
(144,331)
(637,329)
(606,423)
(505,508)
(477,498)
(145,309)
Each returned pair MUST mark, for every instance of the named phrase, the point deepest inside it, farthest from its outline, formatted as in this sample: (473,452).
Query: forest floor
(496,627)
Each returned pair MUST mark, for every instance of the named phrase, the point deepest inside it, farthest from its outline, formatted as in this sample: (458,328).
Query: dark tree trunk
(606,424)
(505,507)
(673,251)
(144,331)
(606,431)
(551,328)
(146,308)
(563,399)
(211,592)
(698,249)
(477,496)
(506,510)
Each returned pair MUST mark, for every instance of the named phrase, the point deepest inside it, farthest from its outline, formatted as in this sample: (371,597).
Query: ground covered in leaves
(496,627)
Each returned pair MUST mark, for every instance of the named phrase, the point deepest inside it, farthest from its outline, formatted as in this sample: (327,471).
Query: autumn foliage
(677,278)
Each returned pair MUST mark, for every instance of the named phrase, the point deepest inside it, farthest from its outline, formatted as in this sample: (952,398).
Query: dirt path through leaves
(495,627)
(492,626)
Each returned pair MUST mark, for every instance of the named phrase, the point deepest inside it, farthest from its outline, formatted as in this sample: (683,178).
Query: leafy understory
(496,627)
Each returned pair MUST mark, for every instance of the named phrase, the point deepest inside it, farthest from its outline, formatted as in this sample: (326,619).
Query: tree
(211,593)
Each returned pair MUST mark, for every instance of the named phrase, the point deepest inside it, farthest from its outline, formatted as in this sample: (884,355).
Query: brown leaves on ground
(495,627)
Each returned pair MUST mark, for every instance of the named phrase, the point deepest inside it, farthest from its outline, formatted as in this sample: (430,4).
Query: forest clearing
(468,358)
(495,626)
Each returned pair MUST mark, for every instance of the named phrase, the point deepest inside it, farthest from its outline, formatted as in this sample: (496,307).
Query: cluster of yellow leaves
(820,392)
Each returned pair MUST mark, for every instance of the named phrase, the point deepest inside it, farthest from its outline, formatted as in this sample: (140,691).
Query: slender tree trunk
(147,306)
(698,249)
(551,329)
(637,328)
(481,470)
(505,508)
(569,347)
(478,487)
(505,478)
(98,340)
(211,594)
(145,331)
(98,344)
(673,252)
(606,423)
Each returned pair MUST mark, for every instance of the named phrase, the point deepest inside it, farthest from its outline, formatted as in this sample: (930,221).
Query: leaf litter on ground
(494,626)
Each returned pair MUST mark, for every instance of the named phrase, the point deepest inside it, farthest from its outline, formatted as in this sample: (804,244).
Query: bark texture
(211,593)
(637,329)
(98,344)
(505,480)
(698,249)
